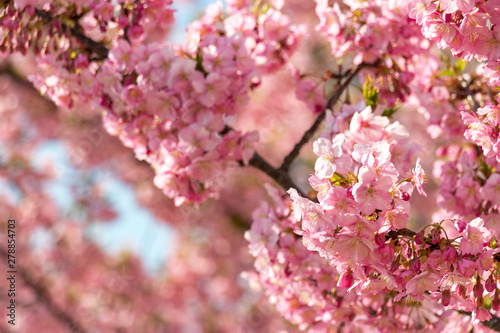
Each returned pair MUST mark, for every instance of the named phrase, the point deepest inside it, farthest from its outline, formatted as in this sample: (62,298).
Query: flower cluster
(321,294)
(378,33)
(172,107)
(172,104)
(483,129)
(468,28)
(359,223)
(72,30)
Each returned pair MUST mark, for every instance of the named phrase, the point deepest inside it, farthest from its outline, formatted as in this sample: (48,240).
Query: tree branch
(310,132)
(279,175)
(42,295)
(99,49)
(393,234)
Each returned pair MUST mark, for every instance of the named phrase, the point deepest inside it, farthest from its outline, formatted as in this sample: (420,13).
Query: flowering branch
(99,49)
(279,175)
(41,294)
(310,132)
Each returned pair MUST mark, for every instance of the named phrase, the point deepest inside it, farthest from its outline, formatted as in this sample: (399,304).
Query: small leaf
(370,92)
(461,65)
(389,112)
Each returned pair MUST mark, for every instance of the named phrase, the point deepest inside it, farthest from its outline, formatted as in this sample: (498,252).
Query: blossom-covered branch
(100,50)
(350,75)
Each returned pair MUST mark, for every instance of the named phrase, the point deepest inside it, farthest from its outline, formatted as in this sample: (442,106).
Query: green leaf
(370,92)
(446,72)
(389,112)
(461,65)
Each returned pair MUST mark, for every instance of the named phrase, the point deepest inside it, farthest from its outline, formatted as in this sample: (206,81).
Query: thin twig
(310,132)
(393,234)
(91,45)
(279,175)
(41,293)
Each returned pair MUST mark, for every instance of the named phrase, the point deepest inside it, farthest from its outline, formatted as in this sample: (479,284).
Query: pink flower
(396,218)
(104,10)
(419,9)
(419,177)
(331,158)
(212,90)
(322,186)
(480,314)
(491,190)
(308,92)
(475,237)
(122,55)
(264,233)
(377,157)
(467,267)
(421,283)
(340,206)
(368,127)
(355,249)
(372,193)
(469,191)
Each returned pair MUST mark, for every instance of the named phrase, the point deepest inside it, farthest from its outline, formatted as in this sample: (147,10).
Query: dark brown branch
(493,323)
(279,175)
(310,132)
(89,44)
(7,69)
(44,298)
(393,234)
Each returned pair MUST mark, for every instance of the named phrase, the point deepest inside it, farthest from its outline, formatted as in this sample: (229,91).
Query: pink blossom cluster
(469,185)
(468,28)
(96,290)
(483,129)
(69,29)
(377,295)
(363,204)
(172,107)
(377,33)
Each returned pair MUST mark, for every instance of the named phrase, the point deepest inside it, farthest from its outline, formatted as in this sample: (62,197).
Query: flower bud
(450,254)
(461,290)
(494,132)
(81,61)
(405,196)
(419,238)
(380,239)
(459,225)
(435,236)
(495,304)
(123,21)
(478,289)
(446,297)
(490,284)
(415,264)
(30,10)
(395,264)
(345,280)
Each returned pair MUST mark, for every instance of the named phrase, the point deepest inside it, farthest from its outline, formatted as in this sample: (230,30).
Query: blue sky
(135,228)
